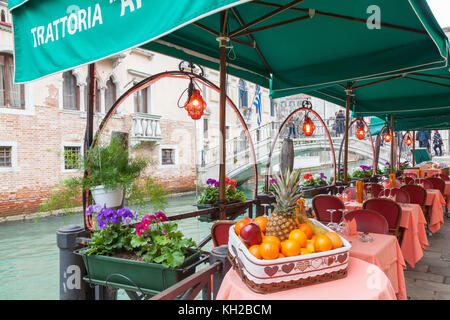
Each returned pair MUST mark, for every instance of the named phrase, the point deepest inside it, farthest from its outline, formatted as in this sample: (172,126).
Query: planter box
(231,212)
(150,277)
(310,192)
(266,276)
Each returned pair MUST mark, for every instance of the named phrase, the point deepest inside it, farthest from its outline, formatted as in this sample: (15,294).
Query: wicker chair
(368,221)
(389,209)
(322,202)
(376,188)
(399,195)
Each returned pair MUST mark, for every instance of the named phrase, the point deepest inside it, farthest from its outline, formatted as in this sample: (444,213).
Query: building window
(205,127)
(141,100)
(5,157)
(72,156)
(11,95)
(167,156)
(3,16)
(110,94)
(71,92)
(243,94)
(227,130)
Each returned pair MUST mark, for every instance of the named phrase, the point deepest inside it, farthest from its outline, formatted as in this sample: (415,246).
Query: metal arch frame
(178,74)
(269,162)
(395,143)
(374,171)
(407,134)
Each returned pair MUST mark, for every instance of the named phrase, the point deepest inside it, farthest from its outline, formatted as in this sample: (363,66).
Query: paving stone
(440,271)
(420,267)
(415,292)
(432,254)
(425,276)
(434,286)
(442,296)
(437,262)
(447,280)
(446,257)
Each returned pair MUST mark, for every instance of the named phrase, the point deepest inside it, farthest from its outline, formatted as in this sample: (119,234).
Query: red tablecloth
(384,251)
(447,193)
(430,172)
(414,236)
(364,281)
(435,201)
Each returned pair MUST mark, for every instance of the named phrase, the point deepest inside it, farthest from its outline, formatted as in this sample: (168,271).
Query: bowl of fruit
(286,249)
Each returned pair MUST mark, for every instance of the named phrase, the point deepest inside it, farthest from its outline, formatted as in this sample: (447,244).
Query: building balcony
(145,127)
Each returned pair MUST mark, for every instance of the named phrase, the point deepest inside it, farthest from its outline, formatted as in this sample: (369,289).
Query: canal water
(29,257)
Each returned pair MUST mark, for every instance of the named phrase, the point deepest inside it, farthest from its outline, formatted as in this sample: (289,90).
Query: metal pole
(392,145)
(223,56)
(414,148)
(348,92)
(71,266)
(219,254)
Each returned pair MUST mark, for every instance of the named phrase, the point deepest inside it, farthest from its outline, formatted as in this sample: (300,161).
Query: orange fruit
(290,248)
(336,240)
(304,251)
(307,230)
(254,250)
(310,246)
(273,239)
(299,236)
(241,223)
(261,222)
(323,243)
(280,255)
(269,250)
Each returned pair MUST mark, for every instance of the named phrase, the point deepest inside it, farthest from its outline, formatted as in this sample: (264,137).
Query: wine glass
(332,225)
(365,237)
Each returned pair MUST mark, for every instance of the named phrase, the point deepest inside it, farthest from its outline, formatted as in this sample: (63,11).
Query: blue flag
(257,103)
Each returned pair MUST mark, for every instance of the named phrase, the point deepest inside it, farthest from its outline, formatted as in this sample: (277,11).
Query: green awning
(311,44)
(376,126)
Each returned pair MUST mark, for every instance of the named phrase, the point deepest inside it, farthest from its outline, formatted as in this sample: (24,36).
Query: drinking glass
(365,237)
(332,225)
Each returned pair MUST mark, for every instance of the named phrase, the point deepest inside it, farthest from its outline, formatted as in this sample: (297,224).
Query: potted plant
(314,186)
(210,197)
(272,181)
(151,253)
(363,173)
(111,173)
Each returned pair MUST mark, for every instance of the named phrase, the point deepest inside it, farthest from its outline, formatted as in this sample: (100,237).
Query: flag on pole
(257,103)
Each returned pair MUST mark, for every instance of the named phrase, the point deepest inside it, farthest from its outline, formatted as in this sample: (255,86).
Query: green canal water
(29,257)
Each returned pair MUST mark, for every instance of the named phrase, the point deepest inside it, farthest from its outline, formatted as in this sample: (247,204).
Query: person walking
(340,119)
(437,143)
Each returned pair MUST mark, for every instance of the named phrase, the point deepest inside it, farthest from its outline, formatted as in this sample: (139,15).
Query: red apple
(251,234)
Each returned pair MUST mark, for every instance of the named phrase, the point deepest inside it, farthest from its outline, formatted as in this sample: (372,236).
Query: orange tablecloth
(364,281)
(435,201)
(387,184)
(430,172)
(414,236)
(385,253)
(447,193)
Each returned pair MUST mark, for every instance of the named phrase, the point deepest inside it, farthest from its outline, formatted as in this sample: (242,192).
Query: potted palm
(111,173)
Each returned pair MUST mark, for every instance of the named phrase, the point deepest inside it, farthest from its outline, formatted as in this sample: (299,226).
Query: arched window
(110,94)
(3,16)
(11,95)
(71,99)
(243,94)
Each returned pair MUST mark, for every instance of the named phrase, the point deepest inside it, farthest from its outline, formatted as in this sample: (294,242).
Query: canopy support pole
(348,93)
(392,145)
(223,82)
(414,149)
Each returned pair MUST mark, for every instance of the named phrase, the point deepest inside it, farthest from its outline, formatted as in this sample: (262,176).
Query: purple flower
(211,181)
(341,169)
(322,176)
(216,184)
(387,163)
(272,181)
(365,168)
(160,216)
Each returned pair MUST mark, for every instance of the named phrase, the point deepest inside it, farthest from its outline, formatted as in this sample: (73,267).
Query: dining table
(447,193)
(383,251)
(435,202)
(424,173)
(413,222)
(364,281)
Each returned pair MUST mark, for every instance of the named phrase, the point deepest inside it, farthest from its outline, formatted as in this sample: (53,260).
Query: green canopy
(376,126)
(288,45)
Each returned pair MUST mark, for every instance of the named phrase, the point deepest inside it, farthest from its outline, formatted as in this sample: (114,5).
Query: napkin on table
(352,227)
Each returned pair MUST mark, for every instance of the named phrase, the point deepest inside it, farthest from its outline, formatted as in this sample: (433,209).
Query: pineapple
(284,218)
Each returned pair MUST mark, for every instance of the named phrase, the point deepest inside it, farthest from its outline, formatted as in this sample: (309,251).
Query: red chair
(408,180)
(399,195)
(442,176)
(376,188)
(220,232)
(322,202)
(417,194)
(368,221)
(352,192)
(437,183)
(389,209)
(424,182)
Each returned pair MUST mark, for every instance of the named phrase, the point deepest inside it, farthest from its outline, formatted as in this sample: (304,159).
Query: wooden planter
(232,209)
(267,276)
(137,275)
(310,192)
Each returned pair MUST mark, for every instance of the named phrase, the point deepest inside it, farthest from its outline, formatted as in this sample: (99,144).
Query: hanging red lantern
(388,137)
(360,132)
(308,127)
(195,106)
(408,141)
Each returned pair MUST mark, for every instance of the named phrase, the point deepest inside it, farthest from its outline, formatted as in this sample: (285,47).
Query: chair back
(220,232)
(398,194)
(425,183)
(376,188)
(442,176)
(322,202)
(437,183)
(417,194)
(408,180)
(389,209)
(368,221)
